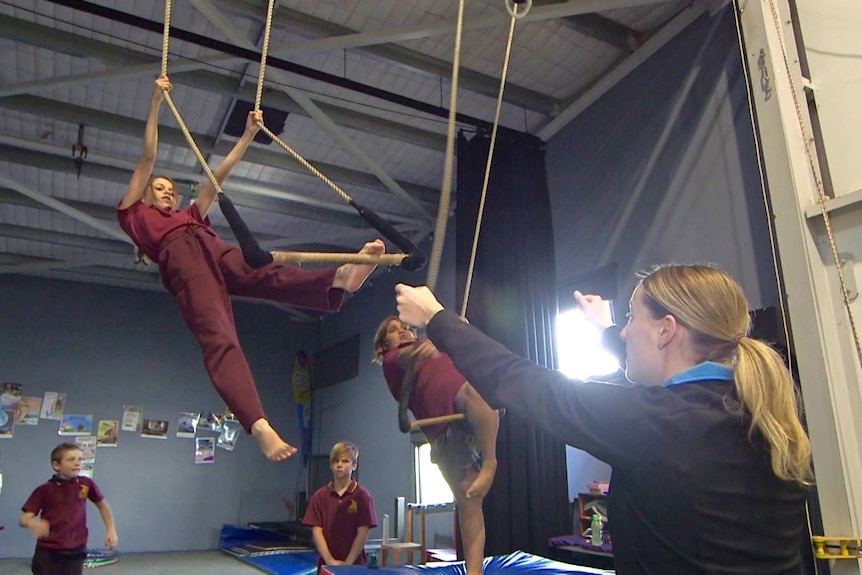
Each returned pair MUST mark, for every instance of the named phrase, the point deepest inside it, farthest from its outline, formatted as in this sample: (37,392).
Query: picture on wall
(107,433)
(212,422)
(7,424)
(52,405)
(76,425)
(88,454)
(187,424)
(204,450)
(28,411)
(230,432)
(10,396)
(155,428)
(132,418)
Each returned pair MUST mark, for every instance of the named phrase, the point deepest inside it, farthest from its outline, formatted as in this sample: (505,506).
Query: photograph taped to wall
(52,405)
(76,425)
(204,450)
(187,423)
(88,448)
(107,434)
(7,424)
(10,396)
(229,434)
(155,428)
(132,418)
(28,411)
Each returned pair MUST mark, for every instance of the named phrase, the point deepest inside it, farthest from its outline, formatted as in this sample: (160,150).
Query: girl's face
(161,194)
(398,333)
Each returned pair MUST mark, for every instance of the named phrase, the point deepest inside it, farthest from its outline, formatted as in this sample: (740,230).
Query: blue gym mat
(517,562)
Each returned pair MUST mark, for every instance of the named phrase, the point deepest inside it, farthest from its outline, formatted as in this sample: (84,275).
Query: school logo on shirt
(85,490)
(353,508)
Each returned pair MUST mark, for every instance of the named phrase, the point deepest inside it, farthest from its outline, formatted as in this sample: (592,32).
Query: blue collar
(706,371)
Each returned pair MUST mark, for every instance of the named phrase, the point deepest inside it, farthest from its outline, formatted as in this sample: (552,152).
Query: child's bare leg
(350,277)
(485,423)
(272,446)
(472,523)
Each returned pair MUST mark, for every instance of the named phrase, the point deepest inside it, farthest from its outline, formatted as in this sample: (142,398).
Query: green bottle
(596,530)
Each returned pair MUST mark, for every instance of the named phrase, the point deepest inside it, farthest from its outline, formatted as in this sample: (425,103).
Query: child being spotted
(465,451)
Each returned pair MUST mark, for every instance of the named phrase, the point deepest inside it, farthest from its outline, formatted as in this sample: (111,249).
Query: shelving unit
(585,514)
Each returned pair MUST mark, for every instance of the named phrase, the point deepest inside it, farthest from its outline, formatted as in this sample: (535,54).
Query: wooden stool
(408,546)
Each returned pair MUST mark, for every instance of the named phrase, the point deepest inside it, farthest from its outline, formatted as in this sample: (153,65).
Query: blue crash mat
(517,562)
(268,551)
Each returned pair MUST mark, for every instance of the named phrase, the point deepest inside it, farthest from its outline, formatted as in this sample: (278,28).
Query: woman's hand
(416,305)
(595,309)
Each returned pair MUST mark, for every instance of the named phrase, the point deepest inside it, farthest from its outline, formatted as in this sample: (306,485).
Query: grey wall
(662,168)
(106,347)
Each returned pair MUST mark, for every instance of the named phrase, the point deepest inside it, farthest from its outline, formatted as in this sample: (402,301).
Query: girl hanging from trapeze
(202,271)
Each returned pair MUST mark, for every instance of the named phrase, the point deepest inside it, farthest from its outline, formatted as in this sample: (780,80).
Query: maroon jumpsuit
(202,272)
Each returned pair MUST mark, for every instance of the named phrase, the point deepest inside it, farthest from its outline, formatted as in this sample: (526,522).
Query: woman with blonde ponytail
(711,463)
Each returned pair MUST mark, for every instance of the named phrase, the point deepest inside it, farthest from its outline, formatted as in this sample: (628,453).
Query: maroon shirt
(148,226)
(437,383)
(63,504)
(341,516)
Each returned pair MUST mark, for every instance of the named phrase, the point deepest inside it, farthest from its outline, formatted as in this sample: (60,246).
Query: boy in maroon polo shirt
(201,271)
(56,513)
(466,450)
(341,512)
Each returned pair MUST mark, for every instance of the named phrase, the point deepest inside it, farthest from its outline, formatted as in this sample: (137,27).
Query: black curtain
(513,300)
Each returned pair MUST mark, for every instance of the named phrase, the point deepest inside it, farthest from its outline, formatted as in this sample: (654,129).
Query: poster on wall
(187,424)
(10,396)
(229,434)
(204,450)
(301,380)
(52,405)
(7,424)
(107,433)
(212,422)
(88,454)
(28,411)
(132,418)
(76,425)
(155,428)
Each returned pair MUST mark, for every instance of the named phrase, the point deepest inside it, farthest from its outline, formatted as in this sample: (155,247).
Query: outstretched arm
(208,192)
(144,168)
(108,519)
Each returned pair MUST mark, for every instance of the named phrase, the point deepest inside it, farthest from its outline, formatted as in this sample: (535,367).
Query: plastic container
(596,530)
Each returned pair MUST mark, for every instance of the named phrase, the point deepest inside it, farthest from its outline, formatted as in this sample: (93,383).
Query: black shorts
(59,561)
(455,451)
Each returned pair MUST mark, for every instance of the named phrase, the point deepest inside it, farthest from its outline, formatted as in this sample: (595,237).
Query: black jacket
(689,494)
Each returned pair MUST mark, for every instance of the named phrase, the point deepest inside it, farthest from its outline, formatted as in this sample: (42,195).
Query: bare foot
(350,277)
(482,484)
(272,446)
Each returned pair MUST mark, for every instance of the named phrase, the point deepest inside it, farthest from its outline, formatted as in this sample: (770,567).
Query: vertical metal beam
(823,343)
